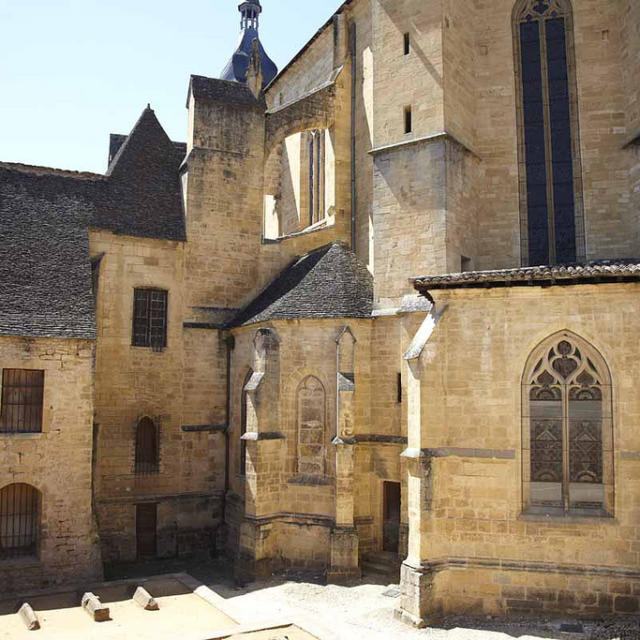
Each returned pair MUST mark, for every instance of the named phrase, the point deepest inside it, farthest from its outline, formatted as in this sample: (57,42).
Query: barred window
(147,447)
(22,394)
(567,428)
(150,318)
(19,521)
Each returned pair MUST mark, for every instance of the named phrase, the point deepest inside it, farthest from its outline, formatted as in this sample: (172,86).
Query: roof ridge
(38,170)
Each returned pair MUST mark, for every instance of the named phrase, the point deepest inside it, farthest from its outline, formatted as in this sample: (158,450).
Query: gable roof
(45,217)
(143,196)
(329,282)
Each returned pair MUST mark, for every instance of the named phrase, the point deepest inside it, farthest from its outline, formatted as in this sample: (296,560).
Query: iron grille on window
(22,392)
(147,449)
(150,319)
(19,521)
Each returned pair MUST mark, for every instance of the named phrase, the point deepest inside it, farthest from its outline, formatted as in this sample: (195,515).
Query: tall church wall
(609,219)
(56,462)
(478,548)
(630,53)
(137,382)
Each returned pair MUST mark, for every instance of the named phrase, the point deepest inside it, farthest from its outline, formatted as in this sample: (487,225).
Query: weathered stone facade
(311,408)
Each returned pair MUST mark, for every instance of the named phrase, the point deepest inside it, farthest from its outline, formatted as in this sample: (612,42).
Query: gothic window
(150,318)
(19,521)
(22,395)
(552,227)
(311,427)
(147,447)
(316,175)
(243,425)
(567,429)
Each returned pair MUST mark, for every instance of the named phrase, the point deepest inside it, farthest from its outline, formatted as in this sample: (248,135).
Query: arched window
(243,425)
(19,521)
(551,209)
(567,429)
(311,427)
(147,447)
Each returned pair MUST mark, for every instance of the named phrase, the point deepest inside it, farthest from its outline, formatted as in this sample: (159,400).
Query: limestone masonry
(382,304)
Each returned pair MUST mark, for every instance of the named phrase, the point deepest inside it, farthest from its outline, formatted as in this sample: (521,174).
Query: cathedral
(380,306)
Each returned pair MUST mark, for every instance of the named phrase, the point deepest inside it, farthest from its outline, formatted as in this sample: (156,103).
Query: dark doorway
(391,517)
(146,526)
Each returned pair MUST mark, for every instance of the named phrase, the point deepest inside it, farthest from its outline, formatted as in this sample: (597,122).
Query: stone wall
(466,500)
(174,387)
(57,462)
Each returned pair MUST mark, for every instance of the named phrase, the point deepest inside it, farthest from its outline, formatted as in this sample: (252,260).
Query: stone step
(386,558)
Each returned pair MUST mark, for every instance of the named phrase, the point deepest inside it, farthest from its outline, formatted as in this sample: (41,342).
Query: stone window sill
(20,563)
(21,436)
(560,517)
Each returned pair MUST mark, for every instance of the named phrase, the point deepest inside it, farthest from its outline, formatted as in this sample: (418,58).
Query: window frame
(588,352)
(5,386)
(148,342)
(32,551)
(565,10)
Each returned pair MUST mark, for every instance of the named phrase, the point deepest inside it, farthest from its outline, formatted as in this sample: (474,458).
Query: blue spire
(236,68)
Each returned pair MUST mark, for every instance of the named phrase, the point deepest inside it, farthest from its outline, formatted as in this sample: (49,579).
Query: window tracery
(568,428)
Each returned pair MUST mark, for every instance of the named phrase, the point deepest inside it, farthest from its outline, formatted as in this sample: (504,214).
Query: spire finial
(250,11)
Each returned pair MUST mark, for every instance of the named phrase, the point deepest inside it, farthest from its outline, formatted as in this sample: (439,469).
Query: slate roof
(236,69)
(329,282)
(45,217)
(585,273)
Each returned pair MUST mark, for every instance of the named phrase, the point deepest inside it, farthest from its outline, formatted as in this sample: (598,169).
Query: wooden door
(146,526)
(391,517)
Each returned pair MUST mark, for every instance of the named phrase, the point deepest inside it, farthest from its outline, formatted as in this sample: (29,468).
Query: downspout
(354,202)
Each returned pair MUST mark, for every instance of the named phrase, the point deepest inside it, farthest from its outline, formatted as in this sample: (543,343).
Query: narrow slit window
(408,123)
(407,44)
(399,388)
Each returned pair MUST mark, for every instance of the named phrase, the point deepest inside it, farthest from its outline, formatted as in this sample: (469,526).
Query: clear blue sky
(73,71)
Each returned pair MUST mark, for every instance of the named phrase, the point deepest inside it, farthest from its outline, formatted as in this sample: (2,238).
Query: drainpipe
(352,47)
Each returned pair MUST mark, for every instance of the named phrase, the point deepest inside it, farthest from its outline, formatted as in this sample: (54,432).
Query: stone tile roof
(329,282)
(229,91)
(585,273)
(44,256)
(45,217)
